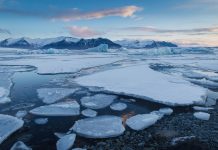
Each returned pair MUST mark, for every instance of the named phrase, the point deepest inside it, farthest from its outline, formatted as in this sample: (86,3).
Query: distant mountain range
(79,44)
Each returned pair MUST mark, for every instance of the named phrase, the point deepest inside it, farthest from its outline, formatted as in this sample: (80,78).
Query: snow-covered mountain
(58,43)
(136,44)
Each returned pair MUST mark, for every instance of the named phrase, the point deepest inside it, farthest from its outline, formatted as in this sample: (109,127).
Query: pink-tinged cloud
(127,11)
(83,32)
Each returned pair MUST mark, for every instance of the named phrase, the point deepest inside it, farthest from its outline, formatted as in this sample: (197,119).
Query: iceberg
(66,142)
(51,95)
(99,127)
(97,101)
(142,121)
(143,82)
(202,115)
(41,121)
(89,113)
(8,125)
(118,106)
(71,108)
(19,145)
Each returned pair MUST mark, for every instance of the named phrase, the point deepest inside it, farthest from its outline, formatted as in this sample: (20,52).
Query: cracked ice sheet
(52,64)
(142,82)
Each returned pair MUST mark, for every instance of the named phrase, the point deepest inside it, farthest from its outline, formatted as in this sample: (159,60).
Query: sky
(186,22)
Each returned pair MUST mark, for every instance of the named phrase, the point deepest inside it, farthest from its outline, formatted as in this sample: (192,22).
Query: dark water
(41,137)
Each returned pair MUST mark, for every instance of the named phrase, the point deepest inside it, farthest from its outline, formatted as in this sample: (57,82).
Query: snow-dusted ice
(19,145)
(142,121)
(41,121)
(166,111)
(21,113)
(66,142)
(59,109)
(202,115)
(99,127)
(198,108)
(118,106)
(97,101)
(51,95)
(143,82)
(8,125)
(89,113)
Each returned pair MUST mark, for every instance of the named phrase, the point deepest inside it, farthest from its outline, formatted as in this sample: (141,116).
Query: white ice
(198,108)
(166,111)
(19,145)
(118,106)
(97,101)
(99,127)
(59,109)
(89,113)
(66,142)
(8,125)
(142,121)
(202,115)
(51,95)
(143,82)
(21,113)
(41,121)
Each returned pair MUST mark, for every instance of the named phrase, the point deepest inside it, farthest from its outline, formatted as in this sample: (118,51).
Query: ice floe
(19,145)
(99,127)
(66,142)
(118,106)
(97,101)
(5,86)
(198,108)
(143,82)
(166,111)
(51,95)
(21,113)
(89,113)
(41,121)
(59,109)
(142,121)
(202,115)
(8,125)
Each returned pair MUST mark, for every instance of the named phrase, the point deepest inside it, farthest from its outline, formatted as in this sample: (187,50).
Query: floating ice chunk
(166,111)
(99,127)
(143,82)
(3,95)
(19,145)
(198,108)
(8,125)
(142,121)
(66,142)
(5,85)
(158,113)
(51,95)
(60,109)
(41,121)
(89,113)
(98,101)
(202,115)
(181,139)
(59,135)
(118,106)
(20,114)
(211,98)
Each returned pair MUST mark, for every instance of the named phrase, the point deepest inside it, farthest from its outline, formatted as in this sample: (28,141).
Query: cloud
(127,11)
(4,31)
(206,30)
(83,31)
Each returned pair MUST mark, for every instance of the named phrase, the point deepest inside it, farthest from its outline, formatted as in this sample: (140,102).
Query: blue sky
(181,21)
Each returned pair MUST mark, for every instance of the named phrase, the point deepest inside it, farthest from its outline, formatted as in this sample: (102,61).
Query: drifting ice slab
(59,109)
(143,82)
(66,142)
(202,115)
(89,113)
(99,127)
(142,121)
(98,101)
(118,106)
(8,125)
